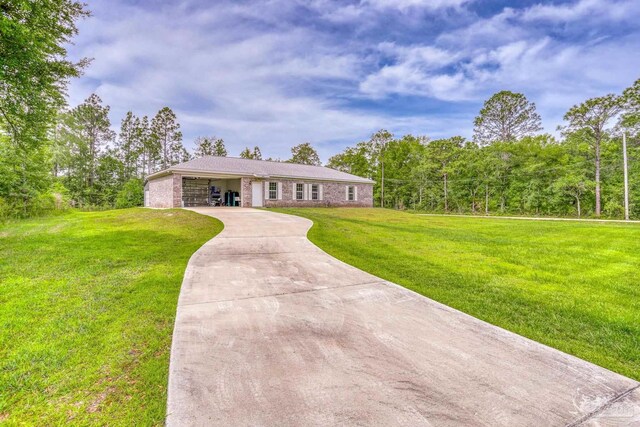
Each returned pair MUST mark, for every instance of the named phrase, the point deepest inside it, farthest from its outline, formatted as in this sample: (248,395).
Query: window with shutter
(351,193)
(273,191)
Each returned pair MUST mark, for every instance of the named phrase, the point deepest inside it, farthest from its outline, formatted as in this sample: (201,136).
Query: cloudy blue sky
(279,72)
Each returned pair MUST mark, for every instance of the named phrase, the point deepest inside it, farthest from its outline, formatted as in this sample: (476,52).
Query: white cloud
(405,5)
(416,71)
(275,75)
(246,89)
(581,9)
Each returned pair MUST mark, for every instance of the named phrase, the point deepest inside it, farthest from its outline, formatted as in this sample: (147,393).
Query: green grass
(574,286)
(87,305)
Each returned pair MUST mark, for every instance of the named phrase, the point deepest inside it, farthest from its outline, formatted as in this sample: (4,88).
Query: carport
(211,191)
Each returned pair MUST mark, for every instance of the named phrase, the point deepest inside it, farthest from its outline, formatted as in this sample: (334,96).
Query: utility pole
(382,186)
(626,176)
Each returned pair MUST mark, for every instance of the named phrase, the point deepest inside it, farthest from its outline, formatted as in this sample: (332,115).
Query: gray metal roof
(260,168)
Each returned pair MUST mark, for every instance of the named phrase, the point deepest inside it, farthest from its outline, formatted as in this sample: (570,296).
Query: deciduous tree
(444,152)
(35,70)
(305,154)
(34,73)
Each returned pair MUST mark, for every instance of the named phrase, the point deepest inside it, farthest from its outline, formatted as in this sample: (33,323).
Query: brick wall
(333,194)
(245,192)
(165,192)
(177,190)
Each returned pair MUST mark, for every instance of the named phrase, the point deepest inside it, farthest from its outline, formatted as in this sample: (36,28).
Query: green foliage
(25,177)
(210,146)
(132,146)
(131,194)
(256,154)
(513,172)
(305,154)
(166,136)
(35,71)
(356,160)
(86,131)
(570,285)
(591,119)
(34,74)
(98,177)
(506,116)
(88,303)
(631,101)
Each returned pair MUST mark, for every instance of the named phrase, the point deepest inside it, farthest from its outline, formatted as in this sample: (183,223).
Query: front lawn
(574,286)
(87,308)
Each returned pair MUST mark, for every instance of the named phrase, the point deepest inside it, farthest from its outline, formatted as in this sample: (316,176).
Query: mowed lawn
(87,305)
(574,286)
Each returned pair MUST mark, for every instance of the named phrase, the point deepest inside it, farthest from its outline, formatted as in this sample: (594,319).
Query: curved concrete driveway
(272,331)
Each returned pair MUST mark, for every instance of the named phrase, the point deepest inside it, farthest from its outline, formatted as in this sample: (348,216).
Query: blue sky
(280,72)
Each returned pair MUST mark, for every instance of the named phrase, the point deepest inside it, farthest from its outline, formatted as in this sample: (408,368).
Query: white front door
(256,194)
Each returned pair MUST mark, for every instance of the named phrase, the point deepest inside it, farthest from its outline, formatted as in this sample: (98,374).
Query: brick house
(230,181)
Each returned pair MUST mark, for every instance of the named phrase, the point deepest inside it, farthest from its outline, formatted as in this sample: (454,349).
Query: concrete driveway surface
(272,331)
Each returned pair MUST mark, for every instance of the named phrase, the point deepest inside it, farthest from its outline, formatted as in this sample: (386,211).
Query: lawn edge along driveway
(87,307)
(271,330)
(570,285)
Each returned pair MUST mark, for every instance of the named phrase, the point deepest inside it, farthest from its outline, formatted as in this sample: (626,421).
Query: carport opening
(210,192)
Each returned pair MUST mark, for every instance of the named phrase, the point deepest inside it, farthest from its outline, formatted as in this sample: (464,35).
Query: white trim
(257,194)
(346,193)
(295,191)
(320,195)
(355,193)
(266,190)
(279,187)
(311,191)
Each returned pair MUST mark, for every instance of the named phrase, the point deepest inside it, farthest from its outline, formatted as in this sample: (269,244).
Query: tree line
(83,163)
(101,168)
(508,168)
(51,156)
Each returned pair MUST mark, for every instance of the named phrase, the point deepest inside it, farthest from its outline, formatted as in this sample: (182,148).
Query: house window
(299,191)
(273,190)
(315,195)
(351,193)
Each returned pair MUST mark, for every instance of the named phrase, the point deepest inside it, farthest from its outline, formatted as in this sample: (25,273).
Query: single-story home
(230,181)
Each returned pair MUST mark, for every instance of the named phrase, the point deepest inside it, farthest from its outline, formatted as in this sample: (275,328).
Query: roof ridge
(261,160)
(242,166)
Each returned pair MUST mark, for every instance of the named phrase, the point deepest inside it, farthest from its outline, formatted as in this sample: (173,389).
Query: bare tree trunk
(578,205)
(446,201)
(486,199)
(598,207)
(382,186)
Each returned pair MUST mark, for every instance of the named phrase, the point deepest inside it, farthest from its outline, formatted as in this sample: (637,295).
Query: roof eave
(358,180)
